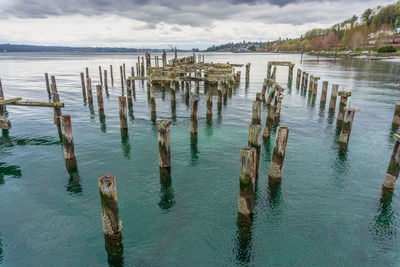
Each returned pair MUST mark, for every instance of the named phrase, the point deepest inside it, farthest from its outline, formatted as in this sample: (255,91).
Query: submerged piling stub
(343,102)
(67,137)
(392,173)
(112,225)
(164,150)
(396,116)
(346,126)
(276,166)
(247,178)
(334,93)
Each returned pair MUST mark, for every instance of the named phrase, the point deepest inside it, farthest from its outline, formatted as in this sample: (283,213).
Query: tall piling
(112,76)
(100,76)
(334,93)
(89,90)
(193,118)
(392,173)
(105,82)
(209,109)
(112,225)
(290,75)
(298,76)
(67,137)
(271,95)
(122,77)
(123,122)
(315,86)
(247,180)
(346,126)
(46,78)
(82,85)
(276,166)
(256,113)
(164,150)
(55,98)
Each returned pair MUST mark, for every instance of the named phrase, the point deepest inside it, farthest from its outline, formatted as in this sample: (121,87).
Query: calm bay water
(326,212)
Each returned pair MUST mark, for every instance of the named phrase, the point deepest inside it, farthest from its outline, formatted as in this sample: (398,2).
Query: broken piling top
(164,125)
(352,109)
(280,63)
(396,137)
(344,93)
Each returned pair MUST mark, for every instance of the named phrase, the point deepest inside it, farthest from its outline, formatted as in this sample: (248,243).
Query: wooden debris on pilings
(17,102)
(279,63)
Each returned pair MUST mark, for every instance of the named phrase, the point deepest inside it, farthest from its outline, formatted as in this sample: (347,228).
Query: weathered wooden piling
(298,76)
(259,97)
(343,102)
(105,82)
(122,77)
(255,135)
(324,92)
(303,77)
(247,180)
(46,78)
(112,225)
(346,126)
(219,101)
(89,90)
(123,122)
(247,71)
(290,76)
(193,118)
(209,109)
(153,109)
(311,84)
(396,115)
(112,76)
(334,93)
(87,72)
(271,95)
(67,137)
(2,108)
(392,173)
(82,85)
(100,76)
(278,104)
(315,86)
(306,81)
(264,88)
(100,104)
(142,73)
(55,98)
(274,73)
(276,166)
(269,123)
(133,86)
(256,113)
(124,72)
(164,150)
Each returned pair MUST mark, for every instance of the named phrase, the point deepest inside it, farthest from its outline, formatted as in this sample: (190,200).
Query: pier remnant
(193,118)
(247,179)
(276,166)
(334,93)
(324,92)
(393,170)
(346,126)
(67,137)
(343,103)
(123,122)
(164,150)
(396,116)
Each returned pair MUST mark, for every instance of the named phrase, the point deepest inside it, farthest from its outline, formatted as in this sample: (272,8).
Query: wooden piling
(278,104)
(124,72)
(343,102)
(298,76)
(290,78)
(247,180)
(315,86)
(100,104)
(89,90)
(324,92)
(276,166)
(271,95)
(123,122)
(334,93)
(2,108)
(311,84)
(112,75)
(346,126)
(164,154)
(46,78)
(396,115)
(105,82)
(256,113)
(193,118)
(209,109)
(392,173)
(247,71)
(264,88)
(100,76)
(82,85)
(112,225)
(153,109)
(122,77)
(55,98)
(269,123)
(255,135)
(67,137)
(87,72)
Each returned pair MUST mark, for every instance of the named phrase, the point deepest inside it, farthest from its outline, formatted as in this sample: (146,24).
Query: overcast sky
(165,23)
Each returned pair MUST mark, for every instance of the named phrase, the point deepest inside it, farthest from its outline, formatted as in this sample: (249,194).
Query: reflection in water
(173,111)
(125,144)
(130,110)
(91,109)
(244,242)
(193,148)
(74,185)
(209,126)
(383,229)
(274,196)
(9,170)
(115,251)
(7,141)
(1,250)
(321,110)
(166,193)
(331,116)
(102,118)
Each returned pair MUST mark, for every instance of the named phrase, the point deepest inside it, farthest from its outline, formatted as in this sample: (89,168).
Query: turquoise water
(327,210)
